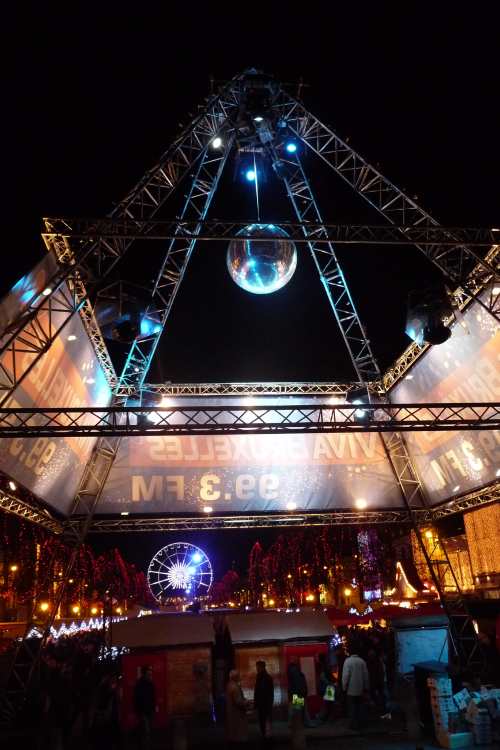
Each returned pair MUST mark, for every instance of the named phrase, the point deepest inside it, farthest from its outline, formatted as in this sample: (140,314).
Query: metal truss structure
(71,230)
(119,421)
(81,268)
(244,521)
(88,250)
(158,390)
(399,209)
(480,282)
(29,510)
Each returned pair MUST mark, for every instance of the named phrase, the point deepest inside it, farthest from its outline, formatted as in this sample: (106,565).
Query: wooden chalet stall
(179,647)
(278,638)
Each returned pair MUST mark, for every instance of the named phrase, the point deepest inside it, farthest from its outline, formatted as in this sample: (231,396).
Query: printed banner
(69,374)
(25,292)
(184,474)
(464,369)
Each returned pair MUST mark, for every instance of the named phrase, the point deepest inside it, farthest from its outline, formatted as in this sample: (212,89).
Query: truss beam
(246,389)
(174,265)
(399,209)
(306,209)
(89,262)
(480,282)
(29,511)
(115,230)
(337,518)
(206,420)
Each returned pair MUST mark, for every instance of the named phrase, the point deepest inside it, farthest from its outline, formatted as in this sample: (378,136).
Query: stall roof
(174,629)
(182,629)
(277,626)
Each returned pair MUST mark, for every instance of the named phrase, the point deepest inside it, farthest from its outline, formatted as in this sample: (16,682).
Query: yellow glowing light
(310,598)
(271,602)
(44,606)
(428,534)
(264,596)
(347,592)
(232,604)
(93,611)
(71,580)
(75,609)
(289,575)
(14,568)
(118,610)
(401,572)
(325,567)
(360,503)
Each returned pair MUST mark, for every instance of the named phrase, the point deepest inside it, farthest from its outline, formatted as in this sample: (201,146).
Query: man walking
(263,698)
(355,683)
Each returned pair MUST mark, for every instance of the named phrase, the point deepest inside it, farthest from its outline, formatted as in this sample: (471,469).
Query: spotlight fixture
(207,509)
(291,147)
(47,291)
(217,142)
(359,396)
(72,337)
(427,311)
(291,506)
(250,175)
(360,503)
(258,118)
(12,486)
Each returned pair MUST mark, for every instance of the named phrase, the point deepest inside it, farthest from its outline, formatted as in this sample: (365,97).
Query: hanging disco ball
(262,267)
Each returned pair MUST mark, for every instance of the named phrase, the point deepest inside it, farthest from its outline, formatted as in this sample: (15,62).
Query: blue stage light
(250,175)
(291,147)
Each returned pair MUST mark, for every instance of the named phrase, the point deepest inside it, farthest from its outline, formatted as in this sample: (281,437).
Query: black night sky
(93,102)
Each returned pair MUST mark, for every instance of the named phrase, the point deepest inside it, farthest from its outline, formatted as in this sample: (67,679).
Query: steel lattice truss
(207,420)
(338,390)
(29,511)
(74,230)
(88,250)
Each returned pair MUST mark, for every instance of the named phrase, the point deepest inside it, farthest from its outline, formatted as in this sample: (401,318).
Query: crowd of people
(352,678)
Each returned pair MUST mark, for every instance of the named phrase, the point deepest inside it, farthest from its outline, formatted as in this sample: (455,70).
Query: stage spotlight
(207,509)
(360,503)
(250,175)
(258,118)
(217,142)
(427,311)
(291,147)
(359,396)
(12,486)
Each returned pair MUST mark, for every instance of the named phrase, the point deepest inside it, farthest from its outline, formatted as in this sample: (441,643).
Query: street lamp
(44,606)
(14,568)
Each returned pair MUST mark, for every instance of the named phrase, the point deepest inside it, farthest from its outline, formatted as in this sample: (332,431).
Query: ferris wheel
(179,569)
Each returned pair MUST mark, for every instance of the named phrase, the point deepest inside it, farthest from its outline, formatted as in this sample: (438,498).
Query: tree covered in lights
(34,562)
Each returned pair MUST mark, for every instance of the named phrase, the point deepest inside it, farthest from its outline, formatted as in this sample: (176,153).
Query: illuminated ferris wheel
(179,569)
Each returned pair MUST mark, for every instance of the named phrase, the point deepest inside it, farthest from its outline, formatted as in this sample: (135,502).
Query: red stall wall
(307,656)
(132,664)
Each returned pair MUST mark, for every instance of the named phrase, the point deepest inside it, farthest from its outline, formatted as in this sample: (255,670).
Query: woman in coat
(236,710)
